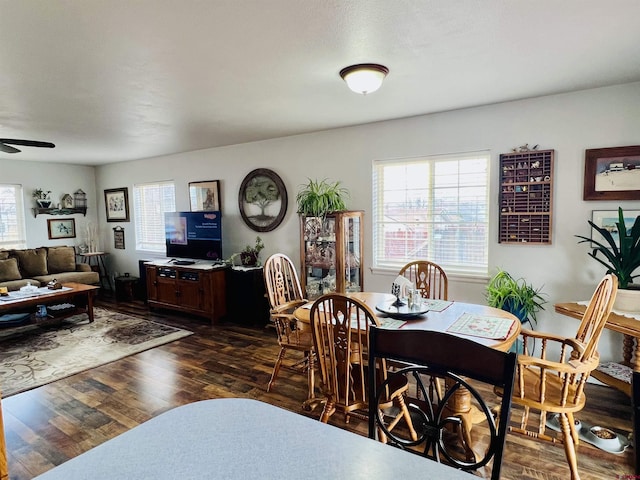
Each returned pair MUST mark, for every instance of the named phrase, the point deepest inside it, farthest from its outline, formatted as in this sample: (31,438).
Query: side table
(96,261)
(125,287)
(246,299)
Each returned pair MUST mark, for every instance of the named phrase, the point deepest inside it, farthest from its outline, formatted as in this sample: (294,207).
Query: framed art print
(205,196)
(61,228)
(612,173)
(116,202)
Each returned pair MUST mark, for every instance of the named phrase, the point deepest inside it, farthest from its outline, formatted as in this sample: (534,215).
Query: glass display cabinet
(331,253)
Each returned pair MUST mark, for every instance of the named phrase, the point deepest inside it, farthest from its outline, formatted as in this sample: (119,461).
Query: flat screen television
(194,235)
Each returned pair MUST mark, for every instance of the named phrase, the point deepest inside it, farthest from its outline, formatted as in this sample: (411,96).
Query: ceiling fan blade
(27,143)
(7,149)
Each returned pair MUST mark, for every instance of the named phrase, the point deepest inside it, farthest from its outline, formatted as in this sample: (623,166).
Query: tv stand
(198,289)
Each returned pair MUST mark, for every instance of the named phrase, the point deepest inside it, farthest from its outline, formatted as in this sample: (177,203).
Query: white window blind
(12,230)
(150,202)
(432,208)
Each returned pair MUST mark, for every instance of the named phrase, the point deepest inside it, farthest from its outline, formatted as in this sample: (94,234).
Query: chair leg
(569,446)
(310,374)
(328,410)
(276,368)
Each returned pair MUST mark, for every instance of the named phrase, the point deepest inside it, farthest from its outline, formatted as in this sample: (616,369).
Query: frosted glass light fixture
(365,77)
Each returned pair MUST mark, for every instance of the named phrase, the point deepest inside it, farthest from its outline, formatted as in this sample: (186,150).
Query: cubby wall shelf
(526,197)
(59,211)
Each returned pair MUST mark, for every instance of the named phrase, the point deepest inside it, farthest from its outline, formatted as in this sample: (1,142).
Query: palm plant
(515,296)
(621,258)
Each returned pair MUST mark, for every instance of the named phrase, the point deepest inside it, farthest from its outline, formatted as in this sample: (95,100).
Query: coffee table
(69,293)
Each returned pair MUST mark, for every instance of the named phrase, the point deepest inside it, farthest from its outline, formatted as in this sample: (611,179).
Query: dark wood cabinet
(199,290)
(247,303)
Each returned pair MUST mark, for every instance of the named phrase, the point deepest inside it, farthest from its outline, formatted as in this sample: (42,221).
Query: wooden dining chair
(441,436)
(430,278)
(635,404)
(285,295)
(553,379)
(340,326)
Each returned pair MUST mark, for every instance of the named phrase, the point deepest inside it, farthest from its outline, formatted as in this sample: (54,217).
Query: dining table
(493,327)
(244,439)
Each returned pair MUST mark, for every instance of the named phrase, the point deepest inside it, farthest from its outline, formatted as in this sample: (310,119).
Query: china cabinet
(331,253)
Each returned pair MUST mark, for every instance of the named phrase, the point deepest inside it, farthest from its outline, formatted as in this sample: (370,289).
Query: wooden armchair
(285,295)
(428,277)
(442,435)
(340,327)
(557,385)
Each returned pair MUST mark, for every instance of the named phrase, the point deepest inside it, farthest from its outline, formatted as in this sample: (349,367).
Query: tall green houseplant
(621,258)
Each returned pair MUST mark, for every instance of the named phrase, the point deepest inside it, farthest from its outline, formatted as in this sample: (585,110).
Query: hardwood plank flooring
(51,424)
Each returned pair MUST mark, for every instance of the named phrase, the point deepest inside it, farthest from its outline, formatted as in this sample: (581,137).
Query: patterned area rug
(34,356)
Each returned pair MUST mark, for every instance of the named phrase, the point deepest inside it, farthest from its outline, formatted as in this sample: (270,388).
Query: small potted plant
(317,198)
(43,197)
(515,296)
(622,258)
(249,257)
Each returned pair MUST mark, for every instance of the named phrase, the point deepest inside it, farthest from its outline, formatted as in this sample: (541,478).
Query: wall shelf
(526,203)
(59,211)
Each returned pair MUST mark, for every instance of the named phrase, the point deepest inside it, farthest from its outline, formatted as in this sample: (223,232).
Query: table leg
(90,296)
(627,350)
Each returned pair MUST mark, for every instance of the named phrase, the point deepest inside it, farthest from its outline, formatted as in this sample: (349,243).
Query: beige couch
(39,266)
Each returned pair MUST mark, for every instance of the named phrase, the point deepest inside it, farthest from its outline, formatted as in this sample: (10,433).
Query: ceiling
(116,80)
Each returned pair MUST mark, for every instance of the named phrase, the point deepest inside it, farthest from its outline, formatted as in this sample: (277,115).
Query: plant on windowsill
(621,259)
(515,296)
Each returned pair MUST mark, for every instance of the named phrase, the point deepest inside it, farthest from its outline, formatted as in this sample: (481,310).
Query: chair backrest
(340,327)
(454,359)
(428,277)
(281,282)
(596,315)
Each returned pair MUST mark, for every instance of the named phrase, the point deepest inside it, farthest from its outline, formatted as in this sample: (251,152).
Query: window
(12,231)
(150,201)
(432,208)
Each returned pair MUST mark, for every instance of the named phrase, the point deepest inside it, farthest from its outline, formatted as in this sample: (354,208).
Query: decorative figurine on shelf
(43,197)
(67,201)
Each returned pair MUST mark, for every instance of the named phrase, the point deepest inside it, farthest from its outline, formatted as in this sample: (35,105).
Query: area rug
(36,356)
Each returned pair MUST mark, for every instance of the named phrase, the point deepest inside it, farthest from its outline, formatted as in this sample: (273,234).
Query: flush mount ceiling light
(365,77)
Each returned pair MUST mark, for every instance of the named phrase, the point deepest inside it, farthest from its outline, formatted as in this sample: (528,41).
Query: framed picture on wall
(61,228)
(262,200)
(205,196)
(116,202)
(612,173)
(608,220)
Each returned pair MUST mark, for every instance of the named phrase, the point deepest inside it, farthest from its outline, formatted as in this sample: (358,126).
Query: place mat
(436,305)
(585,303)
(483,326)
(391,323)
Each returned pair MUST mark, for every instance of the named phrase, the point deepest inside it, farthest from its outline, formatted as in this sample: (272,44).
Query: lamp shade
(365,77)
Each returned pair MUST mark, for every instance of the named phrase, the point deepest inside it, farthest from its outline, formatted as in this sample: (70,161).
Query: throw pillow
(61,259)
(9,270)
(32,262)
(4,254)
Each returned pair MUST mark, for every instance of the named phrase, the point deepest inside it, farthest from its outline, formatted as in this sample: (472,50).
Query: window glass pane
(433,208)
(150,202)
(12,230)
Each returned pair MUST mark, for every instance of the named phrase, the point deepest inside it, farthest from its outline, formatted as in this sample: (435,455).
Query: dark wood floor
(51,424)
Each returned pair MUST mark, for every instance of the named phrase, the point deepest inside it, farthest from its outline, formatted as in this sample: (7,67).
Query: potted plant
(515,296)
(317,198)
(42,197)
(621,258)
(249,257)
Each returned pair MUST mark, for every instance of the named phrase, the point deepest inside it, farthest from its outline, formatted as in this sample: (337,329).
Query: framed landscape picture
(61,228)
(116,202)
(205,196)
(608,220)
(612,173)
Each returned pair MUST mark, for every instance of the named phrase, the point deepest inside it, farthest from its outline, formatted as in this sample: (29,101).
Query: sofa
(39,266)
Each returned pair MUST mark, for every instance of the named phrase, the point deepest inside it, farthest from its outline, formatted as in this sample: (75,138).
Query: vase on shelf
(44,203)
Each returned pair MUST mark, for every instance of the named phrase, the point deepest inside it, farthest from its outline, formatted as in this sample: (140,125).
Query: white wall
(60,179)
(568,123)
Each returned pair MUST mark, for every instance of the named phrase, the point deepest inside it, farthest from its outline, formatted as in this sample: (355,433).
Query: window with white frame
(432,208)
(12,230)
(150,202)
